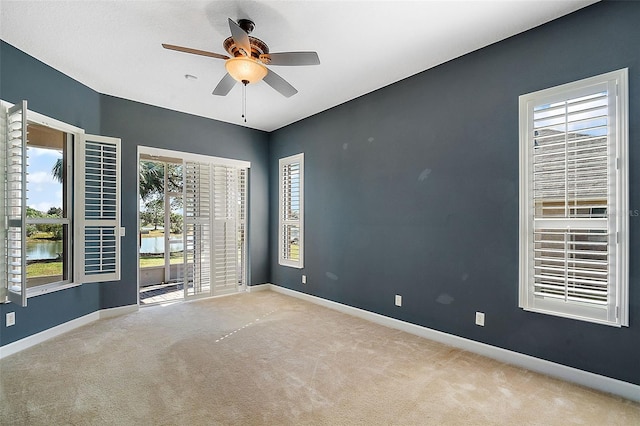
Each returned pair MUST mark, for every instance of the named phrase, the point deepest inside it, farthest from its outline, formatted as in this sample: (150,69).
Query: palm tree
(151,177)
(56,171)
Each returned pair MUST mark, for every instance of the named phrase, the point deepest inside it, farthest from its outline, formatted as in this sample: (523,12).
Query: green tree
(151,179)
(33,213)
(176,223)
(55,230)
(54,212)
(152,192)
(153,212)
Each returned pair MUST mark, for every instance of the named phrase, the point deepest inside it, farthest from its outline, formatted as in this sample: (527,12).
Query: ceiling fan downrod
(247,25)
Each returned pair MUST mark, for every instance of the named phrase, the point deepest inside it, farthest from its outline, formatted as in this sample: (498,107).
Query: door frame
(161,153)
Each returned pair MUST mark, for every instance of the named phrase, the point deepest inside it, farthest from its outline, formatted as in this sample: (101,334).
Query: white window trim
(189,156)
(617,312)
(298,158)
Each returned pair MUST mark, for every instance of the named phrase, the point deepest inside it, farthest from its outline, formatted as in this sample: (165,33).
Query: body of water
(156,245)
(39,250)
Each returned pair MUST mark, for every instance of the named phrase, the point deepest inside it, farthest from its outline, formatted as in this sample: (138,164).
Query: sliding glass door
(203,213)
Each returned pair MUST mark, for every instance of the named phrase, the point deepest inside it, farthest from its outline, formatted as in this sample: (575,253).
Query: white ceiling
(114,47)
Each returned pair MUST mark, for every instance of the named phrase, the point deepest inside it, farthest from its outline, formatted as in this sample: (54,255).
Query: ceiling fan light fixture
(244,69)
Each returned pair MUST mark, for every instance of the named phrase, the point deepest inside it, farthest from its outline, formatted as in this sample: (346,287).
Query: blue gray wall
(51,93)
(413,190)
(139,124)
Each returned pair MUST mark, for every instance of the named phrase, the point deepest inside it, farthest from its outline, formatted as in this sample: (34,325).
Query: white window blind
(574,200)
(291,211)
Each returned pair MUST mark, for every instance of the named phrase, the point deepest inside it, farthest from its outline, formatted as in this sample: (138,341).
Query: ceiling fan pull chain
(244,100)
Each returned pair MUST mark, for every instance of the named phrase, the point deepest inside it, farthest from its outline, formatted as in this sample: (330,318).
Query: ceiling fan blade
(280,84)
(225,85)
(194,51)
(293,58)
(240,37)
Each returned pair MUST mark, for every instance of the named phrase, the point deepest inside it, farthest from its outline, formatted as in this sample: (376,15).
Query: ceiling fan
(248,59)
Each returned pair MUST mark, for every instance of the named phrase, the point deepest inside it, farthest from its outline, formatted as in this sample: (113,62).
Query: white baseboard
(116,312)
(56,331)
(259,287)
(569,374)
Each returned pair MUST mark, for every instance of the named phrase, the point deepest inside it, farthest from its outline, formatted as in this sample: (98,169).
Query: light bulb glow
(243,69)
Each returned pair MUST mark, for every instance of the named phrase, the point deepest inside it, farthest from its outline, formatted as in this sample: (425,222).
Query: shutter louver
(290,213)
(571,158)
(242,227)
(197,229)
(226,261)
(100,218)
(3,189)
(16,203)
(571,181)
(572,265)
(214,230)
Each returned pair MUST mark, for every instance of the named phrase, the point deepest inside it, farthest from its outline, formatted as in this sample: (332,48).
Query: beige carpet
(268,359)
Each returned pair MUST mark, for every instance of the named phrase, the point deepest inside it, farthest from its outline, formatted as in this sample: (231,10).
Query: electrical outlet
(304,279)
(11,318)
(398,300)
(480,319)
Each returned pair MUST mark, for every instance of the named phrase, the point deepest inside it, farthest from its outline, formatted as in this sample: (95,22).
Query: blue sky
(43,191)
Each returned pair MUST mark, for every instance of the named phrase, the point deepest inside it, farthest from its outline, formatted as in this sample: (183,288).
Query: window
(573,203)
(291,211)
(48,216)
(62,213)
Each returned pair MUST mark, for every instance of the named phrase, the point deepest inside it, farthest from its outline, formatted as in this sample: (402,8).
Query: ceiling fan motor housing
(259,49)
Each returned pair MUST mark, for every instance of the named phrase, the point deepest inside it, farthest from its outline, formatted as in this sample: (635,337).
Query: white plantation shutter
(15,135)
(196,271)
(228,229)
(214,228)
(98,207)
(3,230)
(241,225)
(291,214)
(573,204)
